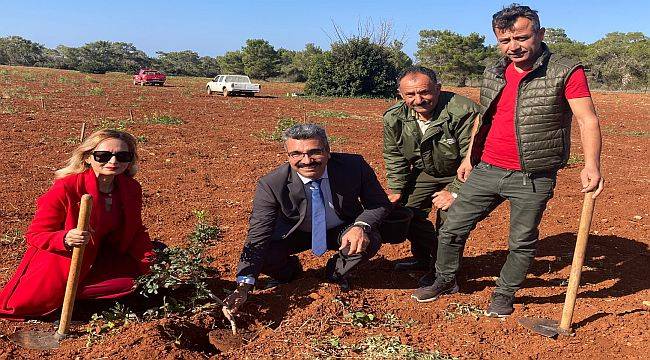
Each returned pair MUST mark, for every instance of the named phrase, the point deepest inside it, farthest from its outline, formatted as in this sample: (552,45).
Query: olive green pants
(486,188)
(422,233)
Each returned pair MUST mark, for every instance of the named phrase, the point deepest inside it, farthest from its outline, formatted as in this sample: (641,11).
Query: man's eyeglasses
(297,155)
(106,156)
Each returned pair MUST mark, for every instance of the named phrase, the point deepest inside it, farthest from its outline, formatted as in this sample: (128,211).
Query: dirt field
(212,161)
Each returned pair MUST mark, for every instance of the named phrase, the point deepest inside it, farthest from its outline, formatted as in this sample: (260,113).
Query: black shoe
(287,275)
(500,305)
(272,283)
(412,265)
(433,292)
(428,279)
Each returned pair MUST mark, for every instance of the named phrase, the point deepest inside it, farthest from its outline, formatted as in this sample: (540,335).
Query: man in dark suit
(317,201)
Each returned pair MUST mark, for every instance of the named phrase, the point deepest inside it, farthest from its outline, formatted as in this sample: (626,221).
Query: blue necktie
(318,222)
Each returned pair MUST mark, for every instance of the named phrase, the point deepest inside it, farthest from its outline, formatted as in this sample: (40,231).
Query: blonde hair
(77,162)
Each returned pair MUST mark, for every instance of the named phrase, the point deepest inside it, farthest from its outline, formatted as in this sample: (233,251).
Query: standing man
(522,140)
(426,136)
(317,201)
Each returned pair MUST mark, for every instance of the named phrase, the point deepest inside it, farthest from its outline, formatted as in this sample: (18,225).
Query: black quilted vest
(542,113)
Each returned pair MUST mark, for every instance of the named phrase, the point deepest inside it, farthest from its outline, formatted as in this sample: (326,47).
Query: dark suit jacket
(280,204)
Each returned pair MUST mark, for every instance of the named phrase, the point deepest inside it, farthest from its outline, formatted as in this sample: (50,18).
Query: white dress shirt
(331,218)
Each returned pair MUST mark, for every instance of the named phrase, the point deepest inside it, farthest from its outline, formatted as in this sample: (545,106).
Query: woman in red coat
(118,248)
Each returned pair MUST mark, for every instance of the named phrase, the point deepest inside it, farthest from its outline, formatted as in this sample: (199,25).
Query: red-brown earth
(212,161)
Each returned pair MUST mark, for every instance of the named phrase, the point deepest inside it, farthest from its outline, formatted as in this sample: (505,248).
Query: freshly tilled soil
(212,161)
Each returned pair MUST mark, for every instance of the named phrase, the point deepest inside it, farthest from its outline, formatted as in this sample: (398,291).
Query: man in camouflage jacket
(426,136)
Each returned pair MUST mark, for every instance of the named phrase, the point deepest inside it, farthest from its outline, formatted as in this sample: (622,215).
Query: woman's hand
(76,238)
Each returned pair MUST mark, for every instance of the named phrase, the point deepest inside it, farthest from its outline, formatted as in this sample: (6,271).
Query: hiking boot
(431,293)
(500,305)
(412,265)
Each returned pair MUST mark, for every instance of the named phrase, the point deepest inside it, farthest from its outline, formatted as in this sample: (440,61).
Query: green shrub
(177,269)
(29,77)
(575,159)
(101,324)
(8,110)
(90,79)
(460,309)
(329,113)
(280,127)
(360,318)
(120,125)
(162,119)
(11,237)
(374,347)
(96,91)
(355,67)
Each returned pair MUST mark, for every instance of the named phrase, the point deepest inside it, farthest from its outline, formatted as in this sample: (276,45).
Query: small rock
(604,221)
(338,332)
(637,217)
(646,303)
(314,296)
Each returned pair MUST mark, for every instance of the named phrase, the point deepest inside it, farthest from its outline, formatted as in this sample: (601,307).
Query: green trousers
(422,233)
(486,188)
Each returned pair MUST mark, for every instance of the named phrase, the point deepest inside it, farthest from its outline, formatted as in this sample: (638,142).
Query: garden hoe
(39,340)
(549,327)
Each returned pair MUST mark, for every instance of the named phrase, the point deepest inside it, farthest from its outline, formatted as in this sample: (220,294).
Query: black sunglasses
(105,156)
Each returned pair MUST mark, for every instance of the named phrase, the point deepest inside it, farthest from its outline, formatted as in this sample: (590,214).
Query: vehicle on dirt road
(149,77)
(232,84)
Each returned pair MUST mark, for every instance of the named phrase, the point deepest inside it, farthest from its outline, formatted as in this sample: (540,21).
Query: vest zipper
(517,134)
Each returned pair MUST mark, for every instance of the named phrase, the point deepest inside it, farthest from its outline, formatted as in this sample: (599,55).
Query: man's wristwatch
(365,227)
(454,195)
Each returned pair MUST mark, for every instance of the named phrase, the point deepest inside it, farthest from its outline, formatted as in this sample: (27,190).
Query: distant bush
(260,59)
(14,50)
(231,63)
(182,63)
(354,67)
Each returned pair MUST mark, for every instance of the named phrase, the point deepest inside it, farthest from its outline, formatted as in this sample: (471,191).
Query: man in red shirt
(522,138)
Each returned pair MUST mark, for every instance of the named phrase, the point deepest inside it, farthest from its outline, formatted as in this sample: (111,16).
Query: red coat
(38,286)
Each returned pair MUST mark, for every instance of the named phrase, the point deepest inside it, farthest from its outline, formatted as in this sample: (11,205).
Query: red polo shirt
(501,145)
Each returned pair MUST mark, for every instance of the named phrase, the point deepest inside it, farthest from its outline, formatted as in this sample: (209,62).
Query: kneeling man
(318,201)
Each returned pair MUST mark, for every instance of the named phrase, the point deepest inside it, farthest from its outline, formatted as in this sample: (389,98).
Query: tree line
(257,58)
(359,65)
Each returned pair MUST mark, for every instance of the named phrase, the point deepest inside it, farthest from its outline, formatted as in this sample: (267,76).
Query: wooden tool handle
(576,265)
(75,267)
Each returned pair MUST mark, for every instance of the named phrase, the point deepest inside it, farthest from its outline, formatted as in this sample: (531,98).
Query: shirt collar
(419,118)
(306,180)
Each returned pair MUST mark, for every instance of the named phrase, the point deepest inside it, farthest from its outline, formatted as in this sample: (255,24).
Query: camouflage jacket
(439,151)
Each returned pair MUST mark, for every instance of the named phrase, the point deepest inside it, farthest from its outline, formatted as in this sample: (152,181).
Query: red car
(149,77)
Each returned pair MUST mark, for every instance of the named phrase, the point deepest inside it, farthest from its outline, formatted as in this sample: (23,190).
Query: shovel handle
(75,267)
(578,261)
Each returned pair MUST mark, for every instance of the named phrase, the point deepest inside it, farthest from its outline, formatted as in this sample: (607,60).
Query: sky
(213,27)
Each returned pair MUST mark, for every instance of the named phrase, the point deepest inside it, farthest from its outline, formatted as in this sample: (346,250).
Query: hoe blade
(35,340)
(545,327)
